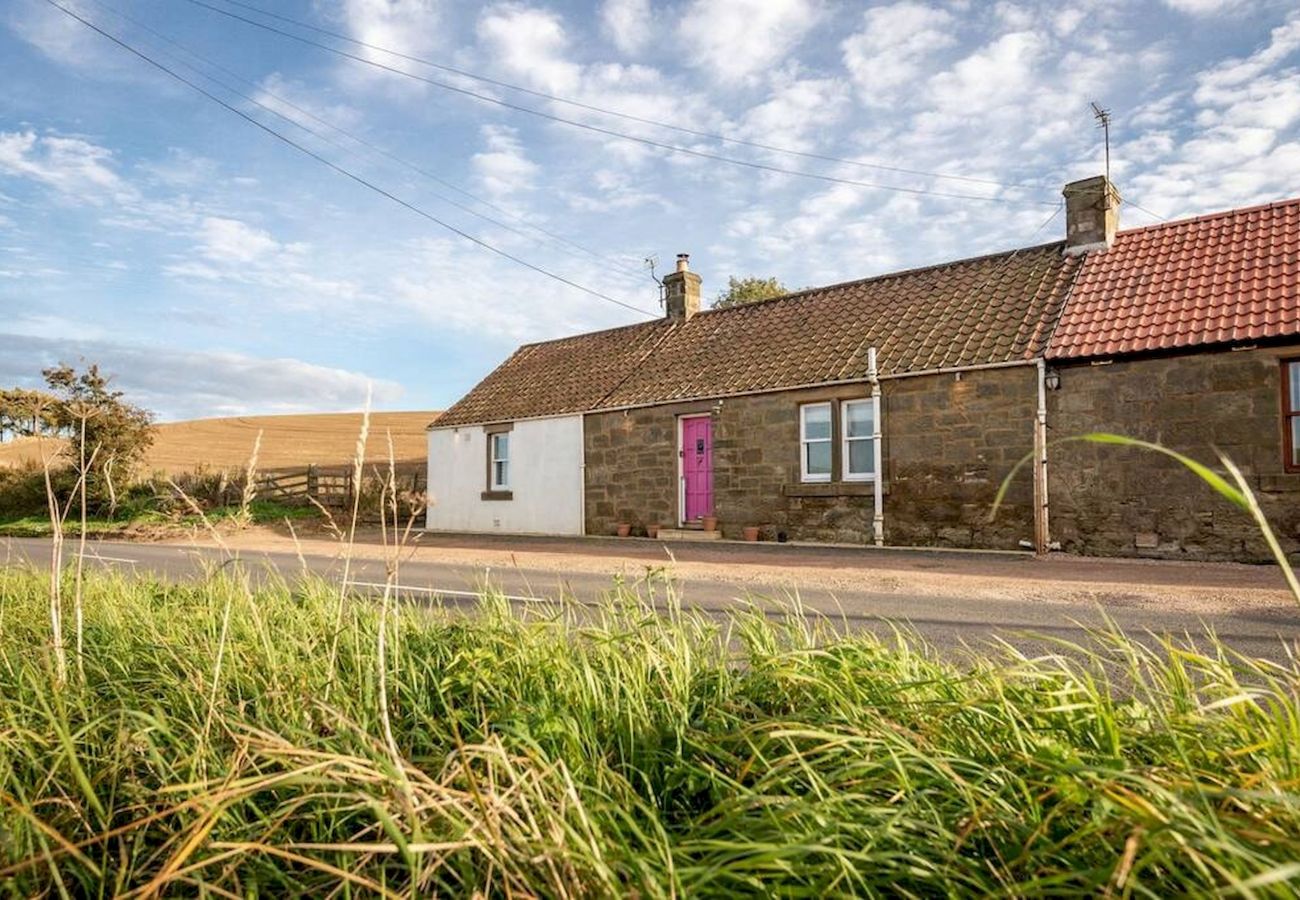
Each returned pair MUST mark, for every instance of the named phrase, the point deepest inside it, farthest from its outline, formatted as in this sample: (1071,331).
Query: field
(326,439)
(216,741)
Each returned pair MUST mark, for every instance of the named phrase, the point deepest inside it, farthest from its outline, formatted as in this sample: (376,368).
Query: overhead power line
(340,169)
(419,170)
(609,132)
(578,104)
(591,107)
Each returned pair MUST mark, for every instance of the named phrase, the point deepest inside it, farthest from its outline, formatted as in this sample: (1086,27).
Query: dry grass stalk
(56,572)
(249,493)
(358,467)
(83,475)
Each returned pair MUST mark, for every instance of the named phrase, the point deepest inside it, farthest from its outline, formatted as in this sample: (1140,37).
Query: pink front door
(697,467)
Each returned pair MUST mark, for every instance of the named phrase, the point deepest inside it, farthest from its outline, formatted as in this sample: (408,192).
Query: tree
(110,434)
(748,290)
(24,413)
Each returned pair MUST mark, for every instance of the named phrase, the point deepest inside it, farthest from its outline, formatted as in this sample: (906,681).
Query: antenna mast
(650,263)
(1103,122)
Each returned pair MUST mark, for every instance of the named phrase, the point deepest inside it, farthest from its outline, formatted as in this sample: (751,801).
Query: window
(1291,414)
(859,452)
(815,442)
(499,461)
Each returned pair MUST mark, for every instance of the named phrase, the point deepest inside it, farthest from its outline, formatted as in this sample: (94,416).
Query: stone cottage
(888,410)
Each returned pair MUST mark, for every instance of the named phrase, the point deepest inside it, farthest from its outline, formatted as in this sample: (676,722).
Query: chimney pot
(682,291)
(1091,214)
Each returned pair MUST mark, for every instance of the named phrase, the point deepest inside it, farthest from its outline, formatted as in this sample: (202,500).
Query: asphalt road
(950,623)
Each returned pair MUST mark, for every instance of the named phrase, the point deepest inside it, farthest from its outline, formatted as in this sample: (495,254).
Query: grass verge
(620,751)
(261,512)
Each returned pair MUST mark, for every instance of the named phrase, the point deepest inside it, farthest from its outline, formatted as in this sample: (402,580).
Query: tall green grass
(567,751)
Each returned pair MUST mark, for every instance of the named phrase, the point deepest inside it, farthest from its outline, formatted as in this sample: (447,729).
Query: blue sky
(217,271)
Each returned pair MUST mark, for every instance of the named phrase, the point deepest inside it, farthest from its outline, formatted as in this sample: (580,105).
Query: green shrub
(22,489)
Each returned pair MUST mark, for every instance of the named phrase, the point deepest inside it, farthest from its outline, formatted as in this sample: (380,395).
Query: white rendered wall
(545,479)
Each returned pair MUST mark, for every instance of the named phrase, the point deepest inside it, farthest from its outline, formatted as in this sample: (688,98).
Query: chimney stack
(682,290)
(1091,214)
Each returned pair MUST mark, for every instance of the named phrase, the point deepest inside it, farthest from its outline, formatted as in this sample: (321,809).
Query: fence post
(313,487)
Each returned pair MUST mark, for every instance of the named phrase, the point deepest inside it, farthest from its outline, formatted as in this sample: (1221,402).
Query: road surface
(949,622)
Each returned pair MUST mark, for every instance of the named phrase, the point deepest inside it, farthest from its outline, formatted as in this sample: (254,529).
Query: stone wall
(948,443)
(1108,500)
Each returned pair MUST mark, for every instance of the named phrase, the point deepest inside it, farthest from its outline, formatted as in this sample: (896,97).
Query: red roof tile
(1223,278)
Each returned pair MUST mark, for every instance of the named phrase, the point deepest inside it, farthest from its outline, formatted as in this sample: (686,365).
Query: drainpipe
(582,476)
(1042,535)
(878,513)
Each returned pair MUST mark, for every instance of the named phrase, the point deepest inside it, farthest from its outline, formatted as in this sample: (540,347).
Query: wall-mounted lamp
(1052,380)
(717,408)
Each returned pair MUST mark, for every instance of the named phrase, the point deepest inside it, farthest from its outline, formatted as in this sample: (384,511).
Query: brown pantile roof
(990,309)
(569,375)
(1224,278)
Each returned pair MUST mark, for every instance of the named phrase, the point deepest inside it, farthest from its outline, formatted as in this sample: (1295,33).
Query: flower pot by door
(652,531)
(710,523)
(751,532)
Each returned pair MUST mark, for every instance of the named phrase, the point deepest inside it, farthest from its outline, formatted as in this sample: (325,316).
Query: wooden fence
(330,487)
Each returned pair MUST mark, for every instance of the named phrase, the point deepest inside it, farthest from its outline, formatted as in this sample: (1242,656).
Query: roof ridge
(1205,217)
(898,273)
(585,334)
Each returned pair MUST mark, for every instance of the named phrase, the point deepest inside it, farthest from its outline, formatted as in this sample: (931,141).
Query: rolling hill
(323,439)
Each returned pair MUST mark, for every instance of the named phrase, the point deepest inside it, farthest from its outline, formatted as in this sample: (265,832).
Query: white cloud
(230,240)
(1206,7)
(74,167)
(995,76)
(501,303)
(414,28)
(406,26)
(796,113)
(296,101)
(66,41)
(1244,148)
(893,48)
(193,383)
(735,40)
(503,169)
(628,23)
(530,43)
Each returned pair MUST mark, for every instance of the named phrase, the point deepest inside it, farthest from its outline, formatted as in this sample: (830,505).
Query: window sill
(829,489)
(497,495)
(1287,482)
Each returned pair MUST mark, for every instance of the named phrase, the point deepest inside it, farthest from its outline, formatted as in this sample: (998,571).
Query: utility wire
(590,107)
(609,132)
(362,141)
(340,169)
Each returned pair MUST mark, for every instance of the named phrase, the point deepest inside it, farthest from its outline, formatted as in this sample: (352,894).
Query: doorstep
(688,534)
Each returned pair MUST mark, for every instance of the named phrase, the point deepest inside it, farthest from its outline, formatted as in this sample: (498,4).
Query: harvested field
(325,439)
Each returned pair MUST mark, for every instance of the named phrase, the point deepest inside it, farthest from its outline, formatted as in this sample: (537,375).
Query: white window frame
(804,441)
(493,460)
(846,474)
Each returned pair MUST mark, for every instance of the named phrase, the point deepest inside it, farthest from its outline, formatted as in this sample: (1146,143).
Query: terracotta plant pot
(751,532)
(624,529)
(652,531)
(710,523)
